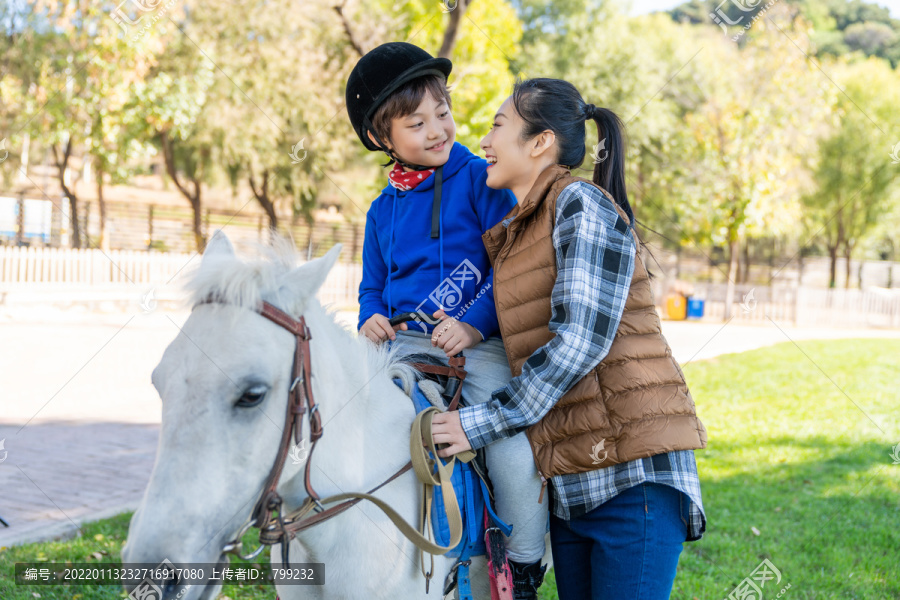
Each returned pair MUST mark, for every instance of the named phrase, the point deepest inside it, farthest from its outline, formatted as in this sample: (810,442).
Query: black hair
(557,105)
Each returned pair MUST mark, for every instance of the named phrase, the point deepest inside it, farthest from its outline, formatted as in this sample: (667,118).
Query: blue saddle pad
(472,496)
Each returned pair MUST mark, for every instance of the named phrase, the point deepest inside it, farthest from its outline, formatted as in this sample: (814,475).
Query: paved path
(80,419)
(58,475)
(78,415)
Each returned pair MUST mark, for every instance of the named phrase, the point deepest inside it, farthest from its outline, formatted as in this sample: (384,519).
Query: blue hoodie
(452,272)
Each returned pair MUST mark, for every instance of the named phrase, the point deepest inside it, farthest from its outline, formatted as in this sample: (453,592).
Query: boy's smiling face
(426,136)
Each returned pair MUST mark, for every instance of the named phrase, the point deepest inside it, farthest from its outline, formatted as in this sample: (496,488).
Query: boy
(423,253)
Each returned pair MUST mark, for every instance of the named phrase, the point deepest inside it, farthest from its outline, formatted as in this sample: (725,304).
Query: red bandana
(407,180)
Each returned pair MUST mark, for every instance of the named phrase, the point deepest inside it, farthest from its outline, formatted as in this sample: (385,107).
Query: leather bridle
(268,513)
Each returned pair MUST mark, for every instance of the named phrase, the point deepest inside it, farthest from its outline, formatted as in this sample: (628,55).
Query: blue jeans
(627,547)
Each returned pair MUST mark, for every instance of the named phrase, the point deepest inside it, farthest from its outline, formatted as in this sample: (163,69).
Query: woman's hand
(453,336)
(378,328)
(446,428)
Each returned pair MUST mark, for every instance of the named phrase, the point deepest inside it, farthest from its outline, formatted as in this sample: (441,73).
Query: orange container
(676,307)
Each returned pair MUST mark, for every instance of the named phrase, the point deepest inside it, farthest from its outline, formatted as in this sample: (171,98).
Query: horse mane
(229,279)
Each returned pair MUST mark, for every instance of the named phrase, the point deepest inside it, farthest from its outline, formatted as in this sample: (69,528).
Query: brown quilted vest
(635,402)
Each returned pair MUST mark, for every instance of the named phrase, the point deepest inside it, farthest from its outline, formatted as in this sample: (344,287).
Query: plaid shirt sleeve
(595,261)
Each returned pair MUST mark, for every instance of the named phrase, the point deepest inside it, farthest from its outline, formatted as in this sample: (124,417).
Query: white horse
(224,384)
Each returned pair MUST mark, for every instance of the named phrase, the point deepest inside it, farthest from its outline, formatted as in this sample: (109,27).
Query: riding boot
(527,578)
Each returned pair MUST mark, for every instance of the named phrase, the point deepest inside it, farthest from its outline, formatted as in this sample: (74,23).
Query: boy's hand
(378,328)
(453,336)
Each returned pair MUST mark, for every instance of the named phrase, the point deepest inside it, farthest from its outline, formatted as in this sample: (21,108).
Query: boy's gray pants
(510,462)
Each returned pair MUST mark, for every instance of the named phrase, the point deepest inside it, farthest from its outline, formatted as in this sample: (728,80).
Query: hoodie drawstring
(391,250)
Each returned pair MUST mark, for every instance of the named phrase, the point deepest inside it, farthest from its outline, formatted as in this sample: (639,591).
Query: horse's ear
(219,246)
(305,280)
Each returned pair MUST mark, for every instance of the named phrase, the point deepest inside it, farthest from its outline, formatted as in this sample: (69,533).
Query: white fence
(60,274)
(802,306)
(93,274)
(53,266)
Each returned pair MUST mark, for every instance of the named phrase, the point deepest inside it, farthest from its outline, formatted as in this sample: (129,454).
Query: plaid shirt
(595,253)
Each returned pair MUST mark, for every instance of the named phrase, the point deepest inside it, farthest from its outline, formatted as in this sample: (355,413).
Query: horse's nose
(164,589)
(169,590)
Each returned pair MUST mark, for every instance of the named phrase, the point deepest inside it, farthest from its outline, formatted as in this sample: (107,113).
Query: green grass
(100,542)
(789,455)
(795,457)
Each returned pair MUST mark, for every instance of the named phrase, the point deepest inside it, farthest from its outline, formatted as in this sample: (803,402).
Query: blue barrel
(695,308)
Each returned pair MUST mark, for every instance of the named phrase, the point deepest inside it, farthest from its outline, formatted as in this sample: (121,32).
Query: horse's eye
(252,396)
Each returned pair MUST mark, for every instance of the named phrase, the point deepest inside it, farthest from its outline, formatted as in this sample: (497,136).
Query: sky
(640,7)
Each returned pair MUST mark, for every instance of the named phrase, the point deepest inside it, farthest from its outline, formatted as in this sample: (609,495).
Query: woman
(610,419)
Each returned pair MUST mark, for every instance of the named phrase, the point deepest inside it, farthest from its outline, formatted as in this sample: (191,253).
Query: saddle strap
(456,368)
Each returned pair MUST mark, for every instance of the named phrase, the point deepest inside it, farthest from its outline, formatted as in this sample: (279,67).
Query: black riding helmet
(379,74)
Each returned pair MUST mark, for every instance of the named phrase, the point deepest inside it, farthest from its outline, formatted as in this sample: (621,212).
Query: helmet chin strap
(403,163)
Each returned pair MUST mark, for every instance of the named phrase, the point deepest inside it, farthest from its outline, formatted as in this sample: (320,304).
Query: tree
(747,163)
(15,102)
(855,181)
(79,68)
(55,56)
(275,118)
(109,141)
(871,38)
(651,50)
(172,101)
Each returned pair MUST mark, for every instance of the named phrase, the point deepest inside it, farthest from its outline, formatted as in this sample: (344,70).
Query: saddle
(471,484)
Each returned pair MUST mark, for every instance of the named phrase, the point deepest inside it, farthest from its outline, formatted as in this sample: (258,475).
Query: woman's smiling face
(514,163)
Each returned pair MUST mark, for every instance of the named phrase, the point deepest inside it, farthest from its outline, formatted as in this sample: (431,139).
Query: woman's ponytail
(609,170)
(557,105)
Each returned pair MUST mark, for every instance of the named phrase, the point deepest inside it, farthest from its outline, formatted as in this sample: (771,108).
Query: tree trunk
(193,197)
(772,261)
(150,228)
(832,266)
(20,220)
(309,239)
(351,37)
(262,195)
(733,248)
(269,207)
(23,169)
(355,248)
(678,261)
(75,224)
(62,165)
(745,276)
(452,31)
(837,244)
(197,223)
(848,251)
(104,241)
